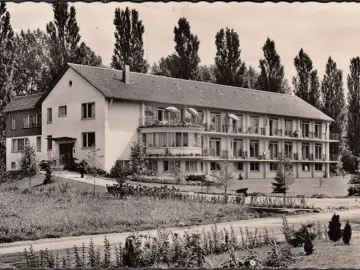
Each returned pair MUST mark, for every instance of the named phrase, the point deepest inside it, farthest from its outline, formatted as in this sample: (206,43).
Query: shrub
(355,180)
(241,177)
(347,234)
(197,178)
(48,175)
(334,228)
(308,246)
(354,190)
(120,170)
(28,164)
(284,176)
(279,255)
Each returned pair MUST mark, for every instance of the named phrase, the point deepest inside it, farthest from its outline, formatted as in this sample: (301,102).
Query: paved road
(273,224)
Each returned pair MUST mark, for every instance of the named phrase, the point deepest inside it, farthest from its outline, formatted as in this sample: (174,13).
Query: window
(88,110)
(88,139)
(239,166)
(152,166)
(191,166)
(162,137)
(62,111)
(237,148)
(273,167)
(13,165)
(317,130)
(273,149)
(305,151)
(38,144)
(318,167)
(305,129)
(306,167)
(168,166)
(49,115)
(31,120)
(273,126)
(185,139)
(215,121)
(288,149)
(214,166)
(12,123)
(18,145)
(254,124)
(171,139)
(318,151)
(215,147)
(150,140)
(254,149)
(254,166)
(49,143)
(288,127)
(202,166)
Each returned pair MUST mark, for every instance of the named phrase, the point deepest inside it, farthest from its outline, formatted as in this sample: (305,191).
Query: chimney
(126,74)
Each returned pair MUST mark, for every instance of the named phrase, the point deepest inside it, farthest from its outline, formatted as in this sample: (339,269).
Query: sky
(320,29)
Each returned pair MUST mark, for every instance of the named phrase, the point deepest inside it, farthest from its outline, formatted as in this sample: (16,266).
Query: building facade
(185,124)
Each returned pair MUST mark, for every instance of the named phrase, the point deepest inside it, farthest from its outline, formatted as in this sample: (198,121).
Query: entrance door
(66,151)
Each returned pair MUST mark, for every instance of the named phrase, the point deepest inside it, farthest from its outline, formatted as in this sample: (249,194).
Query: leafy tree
(334,101)
(31,62)
(120,171)
(349,161)
(186,47)
(334,231)
(353,112)
(63,42)
(167,67)
(138,161)
(306,83)
(7,55)
(225,175)
(129,41)
(347,233)
(206,74)
(251,78)
(229,69)
(272,71)
(284,176)
(28,164)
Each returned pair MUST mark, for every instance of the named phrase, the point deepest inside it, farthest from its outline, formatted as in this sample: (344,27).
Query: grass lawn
(336,186)
(59,209)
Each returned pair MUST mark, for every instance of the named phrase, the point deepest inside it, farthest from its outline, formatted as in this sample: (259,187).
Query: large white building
(183,123)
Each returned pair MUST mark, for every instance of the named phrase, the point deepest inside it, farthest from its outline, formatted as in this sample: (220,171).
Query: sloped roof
(21,103)
(151,88)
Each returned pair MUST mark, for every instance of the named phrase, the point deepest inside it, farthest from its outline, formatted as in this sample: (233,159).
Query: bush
(279,256)
(241,177)
(308,246)
(198,178)
(354,190)
(355,180)
(347,234)
(334,228)
(349,162)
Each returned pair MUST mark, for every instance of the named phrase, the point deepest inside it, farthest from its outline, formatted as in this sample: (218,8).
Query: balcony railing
(334,136)
(152,121)
(253,130)
(334,157)
(231,129)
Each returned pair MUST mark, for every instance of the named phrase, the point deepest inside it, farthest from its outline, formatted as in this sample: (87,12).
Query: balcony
(149,122)
(253,130)
(334,136)
(231,129)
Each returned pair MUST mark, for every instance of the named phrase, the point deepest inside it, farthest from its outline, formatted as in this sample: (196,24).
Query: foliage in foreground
(166,249)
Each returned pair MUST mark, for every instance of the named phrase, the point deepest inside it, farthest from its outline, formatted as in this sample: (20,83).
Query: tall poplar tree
(229,69)
(306,83)
(272,74)
(7,55)
(186,48)
(334,101)
(63,42)
(129,41)
(251,78)
(353,113)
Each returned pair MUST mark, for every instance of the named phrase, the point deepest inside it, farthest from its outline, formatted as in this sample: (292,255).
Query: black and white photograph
(179,135)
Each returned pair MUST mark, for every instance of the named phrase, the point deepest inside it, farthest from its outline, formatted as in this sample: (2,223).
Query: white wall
(72,126)
(15,156)
(122,121)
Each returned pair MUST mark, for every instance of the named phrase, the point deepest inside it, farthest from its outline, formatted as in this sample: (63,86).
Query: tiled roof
(145,87)
(21,103)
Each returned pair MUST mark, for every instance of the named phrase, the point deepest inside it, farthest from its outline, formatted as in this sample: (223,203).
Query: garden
(223,248)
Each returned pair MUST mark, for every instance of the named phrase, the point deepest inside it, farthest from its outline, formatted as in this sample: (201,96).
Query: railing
(305,156)
(253,130)
(262,131)
(152,121)
(334,157)
(214,152)
(238,154)
(296,156)
(231,129)
(334,136)
(32,125)
(289,133)
(213,128)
